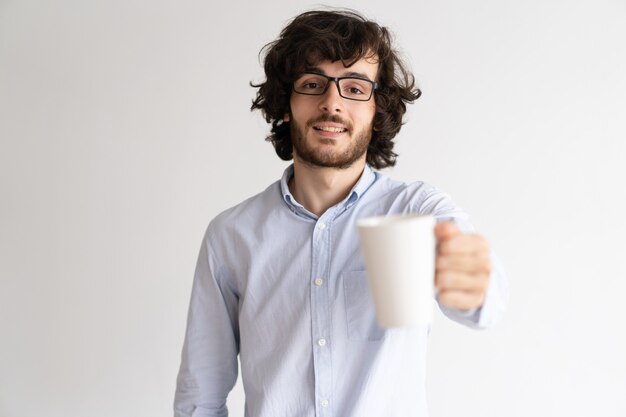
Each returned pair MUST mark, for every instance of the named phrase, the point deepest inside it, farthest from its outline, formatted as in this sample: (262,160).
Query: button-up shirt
(287,292)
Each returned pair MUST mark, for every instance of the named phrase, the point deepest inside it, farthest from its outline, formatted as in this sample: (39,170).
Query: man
(280,279)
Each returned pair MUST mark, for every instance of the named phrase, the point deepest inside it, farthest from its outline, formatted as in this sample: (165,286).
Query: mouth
(330,129)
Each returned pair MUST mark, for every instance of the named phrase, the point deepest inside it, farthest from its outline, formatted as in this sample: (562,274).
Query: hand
(462,267)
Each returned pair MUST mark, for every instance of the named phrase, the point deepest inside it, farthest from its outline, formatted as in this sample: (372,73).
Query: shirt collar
(368,177)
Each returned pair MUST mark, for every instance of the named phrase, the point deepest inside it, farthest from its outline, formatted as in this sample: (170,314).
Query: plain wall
(125,127)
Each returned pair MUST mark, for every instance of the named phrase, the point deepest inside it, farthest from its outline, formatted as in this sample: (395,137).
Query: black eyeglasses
(352,88)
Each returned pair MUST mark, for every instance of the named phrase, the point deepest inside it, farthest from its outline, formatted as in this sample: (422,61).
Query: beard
(329,158)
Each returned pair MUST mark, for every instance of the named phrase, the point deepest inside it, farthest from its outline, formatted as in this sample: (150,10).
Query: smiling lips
(331,128)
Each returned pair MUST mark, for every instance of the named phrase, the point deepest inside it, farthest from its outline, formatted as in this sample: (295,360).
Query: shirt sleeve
(208,369)
(493,308)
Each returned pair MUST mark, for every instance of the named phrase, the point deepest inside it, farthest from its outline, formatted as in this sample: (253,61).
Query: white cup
(399,253)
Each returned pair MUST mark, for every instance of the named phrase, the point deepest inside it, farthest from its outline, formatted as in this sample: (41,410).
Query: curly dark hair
(335,35)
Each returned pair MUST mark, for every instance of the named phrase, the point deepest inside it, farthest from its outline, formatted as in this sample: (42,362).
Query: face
(329,130)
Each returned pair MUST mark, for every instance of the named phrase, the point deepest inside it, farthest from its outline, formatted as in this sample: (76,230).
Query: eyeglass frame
(336,81)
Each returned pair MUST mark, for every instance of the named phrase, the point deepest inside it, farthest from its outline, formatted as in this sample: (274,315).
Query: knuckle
(441,262)
(439,281)
(479,299)
(446,297)
(485,267)
(444,279)
(481,243)
(444,247)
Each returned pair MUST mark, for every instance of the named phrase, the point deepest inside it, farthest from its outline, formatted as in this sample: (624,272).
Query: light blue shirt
(286,290)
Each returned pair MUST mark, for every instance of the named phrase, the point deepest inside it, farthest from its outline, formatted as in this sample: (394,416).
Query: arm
(472,287)
(208,369)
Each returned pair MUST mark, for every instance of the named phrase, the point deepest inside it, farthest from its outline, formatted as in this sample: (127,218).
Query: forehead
(367,67)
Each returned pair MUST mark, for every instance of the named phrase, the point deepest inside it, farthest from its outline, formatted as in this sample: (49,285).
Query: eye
(354,87)
(310,84)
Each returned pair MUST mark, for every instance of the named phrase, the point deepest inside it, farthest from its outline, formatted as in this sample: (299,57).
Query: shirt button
(321,342)
(319,282)
(321,226)
(324,403)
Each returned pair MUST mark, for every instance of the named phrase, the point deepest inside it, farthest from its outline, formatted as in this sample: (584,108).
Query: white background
(124,128)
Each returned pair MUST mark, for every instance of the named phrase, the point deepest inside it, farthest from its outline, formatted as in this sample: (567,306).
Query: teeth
(330,129)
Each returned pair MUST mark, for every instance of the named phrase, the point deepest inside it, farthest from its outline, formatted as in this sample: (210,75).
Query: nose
(331,101)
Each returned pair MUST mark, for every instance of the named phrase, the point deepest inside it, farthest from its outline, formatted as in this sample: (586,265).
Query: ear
(286,117)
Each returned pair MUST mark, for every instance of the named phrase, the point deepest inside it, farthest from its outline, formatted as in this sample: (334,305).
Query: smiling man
(280,281)
(332,118)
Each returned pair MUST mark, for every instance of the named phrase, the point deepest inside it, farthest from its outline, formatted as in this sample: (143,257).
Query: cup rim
(375,221)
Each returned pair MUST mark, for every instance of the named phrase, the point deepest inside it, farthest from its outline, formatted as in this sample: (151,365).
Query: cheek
(298,109)
(366,117)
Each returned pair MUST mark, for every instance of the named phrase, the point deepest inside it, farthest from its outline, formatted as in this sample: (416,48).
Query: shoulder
(416,193)
(417,197)
(247,214)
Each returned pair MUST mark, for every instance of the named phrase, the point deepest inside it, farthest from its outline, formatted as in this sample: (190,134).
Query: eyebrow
(345,74)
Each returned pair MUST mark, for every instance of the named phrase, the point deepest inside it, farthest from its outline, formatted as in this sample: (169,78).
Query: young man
(280,279)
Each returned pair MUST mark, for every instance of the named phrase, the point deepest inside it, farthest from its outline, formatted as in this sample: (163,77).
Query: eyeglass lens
(350,88)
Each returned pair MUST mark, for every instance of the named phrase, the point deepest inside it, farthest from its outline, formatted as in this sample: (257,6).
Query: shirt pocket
(360,312)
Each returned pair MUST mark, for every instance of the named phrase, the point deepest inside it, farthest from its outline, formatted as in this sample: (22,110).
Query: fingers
(463,267)
(463,244)
(451,240)
(461,289)
(451,280)
(446,230)
(469,263)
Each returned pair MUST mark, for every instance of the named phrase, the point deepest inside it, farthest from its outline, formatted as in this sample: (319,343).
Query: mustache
(332,118)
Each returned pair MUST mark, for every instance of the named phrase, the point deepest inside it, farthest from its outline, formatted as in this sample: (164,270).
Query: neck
(319,188)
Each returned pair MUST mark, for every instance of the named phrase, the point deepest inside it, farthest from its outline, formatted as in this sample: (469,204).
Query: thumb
(446,230)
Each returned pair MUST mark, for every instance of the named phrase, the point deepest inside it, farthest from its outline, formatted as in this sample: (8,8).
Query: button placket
(320,312)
